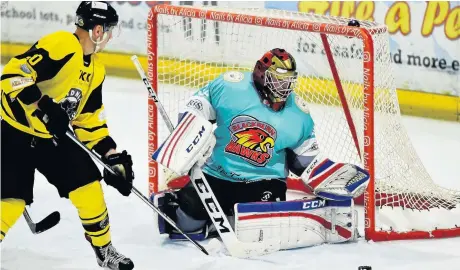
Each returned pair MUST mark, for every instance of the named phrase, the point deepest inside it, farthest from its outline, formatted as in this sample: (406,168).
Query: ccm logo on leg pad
(314,204)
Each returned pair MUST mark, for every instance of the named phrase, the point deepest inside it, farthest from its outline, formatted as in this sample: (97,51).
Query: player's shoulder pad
(230,79)
(226,82)
(99,69)
(299,108)
(98,61)
(213,86)
(60,44)
(234,76)
(300,113)
(298,103)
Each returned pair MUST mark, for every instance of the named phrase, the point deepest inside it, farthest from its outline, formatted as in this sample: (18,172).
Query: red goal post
(363,138)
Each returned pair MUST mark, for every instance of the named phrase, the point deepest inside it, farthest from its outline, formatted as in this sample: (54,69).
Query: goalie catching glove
(335,181)
(190,142)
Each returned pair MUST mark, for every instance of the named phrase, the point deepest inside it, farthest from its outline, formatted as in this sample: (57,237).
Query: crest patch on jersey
(25,69)
(302,104)
(71,101)
(196,104)
(21,82)
(252,140)
(233,76)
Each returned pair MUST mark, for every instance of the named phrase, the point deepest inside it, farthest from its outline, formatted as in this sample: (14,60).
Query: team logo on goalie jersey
(252,140)
(71,101)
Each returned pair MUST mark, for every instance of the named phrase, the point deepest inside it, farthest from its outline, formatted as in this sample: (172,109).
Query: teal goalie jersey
(252,139)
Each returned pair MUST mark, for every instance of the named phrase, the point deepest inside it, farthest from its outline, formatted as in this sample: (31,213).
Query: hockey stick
(135,191)
(45,224)
(211,204)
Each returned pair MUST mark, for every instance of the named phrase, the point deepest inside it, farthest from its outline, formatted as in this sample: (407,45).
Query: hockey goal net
(345,76)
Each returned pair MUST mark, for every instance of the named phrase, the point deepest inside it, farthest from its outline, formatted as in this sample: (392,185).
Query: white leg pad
(296,224)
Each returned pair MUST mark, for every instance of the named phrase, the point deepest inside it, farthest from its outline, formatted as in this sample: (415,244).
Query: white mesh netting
(192,52)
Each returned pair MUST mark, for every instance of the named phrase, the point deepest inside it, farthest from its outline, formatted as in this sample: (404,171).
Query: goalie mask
(91,14)
(275,77)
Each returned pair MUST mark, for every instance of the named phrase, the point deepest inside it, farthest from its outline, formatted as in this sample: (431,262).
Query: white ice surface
(133,231)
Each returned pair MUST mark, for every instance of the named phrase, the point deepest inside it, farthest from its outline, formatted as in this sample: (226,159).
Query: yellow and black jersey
(57,67)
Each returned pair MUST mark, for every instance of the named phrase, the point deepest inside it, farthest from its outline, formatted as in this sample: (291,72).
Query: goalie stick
(135,191)
(234,246)
(45,224)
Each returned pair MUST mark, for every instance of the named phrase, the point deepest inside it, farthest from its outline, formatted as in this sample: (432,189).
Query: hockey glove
(335,181)
(53,116)
(122,164)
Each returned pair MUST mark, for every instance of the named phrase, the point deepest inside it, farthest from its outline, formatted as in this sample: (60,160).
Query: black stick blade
(202,248)
(47,223)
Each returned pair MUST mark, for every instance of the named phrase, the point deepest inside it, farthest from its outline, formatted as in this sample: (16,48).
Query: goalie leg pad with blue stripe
(296,224)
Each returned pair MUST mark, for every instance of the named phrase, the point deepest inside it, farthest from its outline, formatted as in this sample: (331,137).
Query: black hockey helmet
(92,13)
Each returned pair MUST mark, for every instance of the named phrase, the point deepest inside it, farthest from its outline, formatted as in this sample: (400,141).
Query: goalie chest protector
(252,138)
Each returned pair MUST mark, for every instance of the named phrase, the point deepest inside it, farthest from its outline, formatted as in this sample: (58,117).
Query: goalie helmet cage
(345,82)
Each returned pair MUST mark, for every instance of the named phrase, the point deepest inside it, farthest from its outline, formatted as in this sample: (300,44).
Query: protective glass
(112,31)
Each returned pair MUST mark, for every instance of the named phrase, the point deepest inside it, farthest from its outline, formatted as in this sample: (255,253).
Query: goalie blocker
(191,141)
